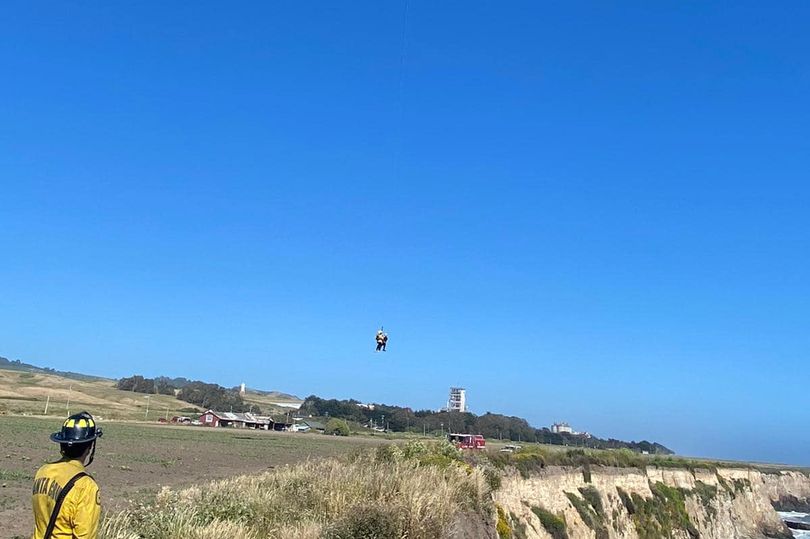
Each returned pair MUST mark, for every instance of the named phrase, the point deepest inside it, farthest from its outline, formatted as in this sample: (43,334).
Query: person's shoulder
(87,482)
(87,489)
(48,468)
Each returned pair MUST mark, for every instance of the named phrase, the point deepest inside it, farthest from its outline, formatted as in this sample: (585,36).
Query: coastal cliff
(633,503)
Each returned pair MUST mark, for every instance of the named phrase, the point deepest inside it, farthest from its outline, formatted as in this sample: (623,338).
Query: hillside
(26,389)
(18,365)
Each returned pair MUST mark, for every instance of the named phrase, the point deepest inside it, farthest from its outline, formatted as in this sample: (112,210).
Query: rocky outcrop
(788,490)
(631,503)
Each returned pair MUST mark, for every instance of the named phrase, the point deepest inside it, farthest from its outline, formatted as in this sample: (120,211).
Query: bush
(553,524)
(367,523)
(338,427)
(589,516)
(661,514)
(502,527)
(493,478)
(592,496)
(627,501)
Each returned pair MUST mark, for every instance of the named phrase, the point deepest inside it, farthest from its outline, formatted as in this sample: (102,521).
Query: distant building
(308,425)
(562,428)
(458,400)
(210,418)
(242,389)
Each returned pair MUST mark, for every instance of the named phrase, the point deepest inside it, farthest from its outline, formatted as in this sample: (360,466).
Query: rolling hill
(26,389)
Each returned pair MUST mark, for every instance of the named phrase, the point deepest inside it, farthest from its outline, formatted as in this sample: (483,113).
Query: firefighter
(382,340)
(66,499)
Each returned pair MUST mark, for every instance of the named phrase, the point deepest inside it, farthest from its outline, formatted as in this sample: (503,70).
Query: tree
(215,397)
(338,427)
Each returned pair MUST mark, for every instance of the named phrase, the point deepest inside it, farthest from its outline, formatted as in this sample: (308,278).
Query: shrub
(627,501)
(661,514)
(706,495)
(366,523)
(592,496)
(553,524)
(502,527)
(337,427)
(519,529)
(590,517)
(493,478)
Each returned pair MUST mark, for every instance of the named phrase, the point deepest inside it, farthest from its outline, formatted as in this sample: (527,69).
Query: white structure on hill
(242,389)
(458,400)
(560,428)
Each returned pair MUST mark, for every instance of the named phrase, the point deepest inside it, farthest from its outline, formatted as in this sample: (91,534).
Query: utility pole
(67,405)
(167,413)
(146,416)
(47,402)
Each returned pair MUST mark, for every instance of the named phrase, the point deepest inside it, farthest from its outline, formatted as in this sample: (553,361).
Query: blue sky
(584,212)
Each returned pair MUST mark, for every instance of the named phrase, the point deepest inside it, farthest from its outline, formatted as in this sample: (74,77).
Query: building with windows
(562,428)
(458,400)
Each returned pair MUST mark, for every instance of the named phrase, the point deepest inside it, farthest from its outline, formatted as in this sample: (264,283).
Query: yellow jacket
(80,512)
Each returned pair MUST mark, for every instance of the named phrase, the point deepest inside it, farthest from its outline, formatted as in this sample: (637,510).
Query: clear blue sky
(579,211)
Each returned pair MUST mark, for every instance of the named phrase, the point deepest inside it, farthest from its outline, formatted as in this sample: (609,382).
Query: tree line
(497,426)
(204,395)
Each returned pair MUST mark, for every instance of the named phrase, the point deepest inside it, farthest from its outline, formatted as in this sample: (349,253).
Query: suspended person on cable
(382,340)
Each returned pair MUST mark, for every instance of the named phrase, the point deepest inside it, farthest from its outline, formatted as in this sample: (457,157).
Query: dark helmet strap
(92,454)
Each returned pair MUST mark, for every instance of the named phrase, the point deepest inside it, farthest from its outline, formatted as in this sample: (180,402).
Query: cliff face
(608,503)
(790,491)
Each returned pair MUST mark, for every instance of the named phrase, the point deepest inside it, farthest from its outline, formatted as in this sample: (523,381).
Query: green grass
(533,458)
(15,475)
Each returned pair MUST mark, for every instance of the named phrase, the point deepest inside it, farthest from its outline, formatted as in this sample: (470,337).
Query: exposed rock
(468,525)
(792,503)
(626,503)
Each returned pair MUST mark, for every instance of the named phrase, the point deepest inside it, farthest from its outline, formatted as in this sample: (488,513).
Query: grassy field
(134,460)
(418,490)
(29,393)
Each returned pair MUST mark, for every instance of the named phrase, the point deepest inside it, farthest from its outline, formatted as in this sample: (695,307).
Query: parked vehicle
(467,441)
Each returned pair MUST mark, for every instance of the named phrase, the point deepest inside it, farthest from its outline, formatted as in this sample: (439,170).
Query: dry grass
(413,492)
(27,393)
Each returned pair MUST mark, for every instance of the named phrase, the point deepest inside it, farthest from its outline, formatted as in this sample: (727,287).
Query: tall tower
(458,400)
(242,389)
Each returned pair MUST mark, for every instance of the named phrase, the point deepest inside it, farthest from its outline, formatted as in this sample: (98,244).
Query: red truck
(467,441)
